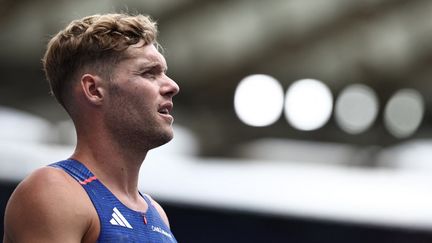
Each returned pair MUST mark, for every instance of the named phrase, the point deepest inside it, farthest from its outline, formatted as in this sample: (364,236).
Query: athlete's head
(95,42)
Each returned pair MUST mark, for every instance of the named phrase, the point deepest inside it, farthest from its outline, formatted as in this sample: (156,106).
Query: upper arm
(44,208)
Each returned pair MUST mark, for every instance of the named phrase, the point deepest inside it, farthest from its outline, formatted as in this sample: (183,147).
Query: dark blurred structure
(212,45)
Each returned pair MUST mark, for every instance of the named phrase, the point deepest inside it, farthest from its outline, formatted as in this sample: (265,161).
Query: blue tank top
(118,223)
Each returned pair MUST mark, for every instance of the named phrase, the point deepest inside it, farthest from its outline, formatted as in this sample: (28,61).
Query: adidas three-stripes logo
(119,219)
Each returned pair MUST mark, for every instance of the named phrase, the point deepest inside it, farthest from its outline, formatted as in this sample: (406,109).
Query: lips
(164,111)
(165,108)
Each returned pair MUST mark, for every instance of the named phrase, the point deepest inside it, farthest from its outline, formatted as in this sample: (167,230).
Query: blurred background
(297,120)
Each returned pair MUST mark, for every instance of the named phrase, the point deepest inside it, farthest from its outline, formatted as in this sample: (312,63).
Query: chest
(120,224)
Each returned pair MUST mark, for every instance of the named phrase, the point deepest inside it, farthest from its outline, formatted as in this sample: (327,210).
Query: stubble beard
(131,129)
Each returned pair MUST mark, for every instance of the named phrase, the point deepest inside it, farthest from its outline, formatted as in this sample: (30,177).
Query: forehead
(144,54)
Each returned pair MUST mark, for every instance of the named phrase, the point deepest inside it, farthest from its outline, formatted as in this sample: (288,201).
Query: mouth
(165,110)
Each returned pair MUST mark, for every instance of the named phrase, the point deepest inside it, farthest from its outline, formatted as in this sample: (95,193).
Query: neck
(117,167)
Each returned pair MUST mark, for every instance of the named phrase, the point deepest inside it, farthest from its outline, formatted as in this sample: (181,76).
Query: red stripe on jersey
(88,180)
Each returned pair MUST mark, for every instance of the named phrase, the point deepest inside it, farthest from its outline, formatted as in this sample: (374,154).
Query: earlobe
(92,87)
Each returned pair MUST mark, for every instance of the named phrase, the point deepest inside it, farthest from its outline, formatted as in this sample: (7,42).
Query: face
(139,99)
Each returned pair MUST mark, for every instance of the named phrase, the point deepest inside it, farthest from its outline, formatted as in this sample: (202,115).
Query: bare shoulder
(160,210)
(44,202)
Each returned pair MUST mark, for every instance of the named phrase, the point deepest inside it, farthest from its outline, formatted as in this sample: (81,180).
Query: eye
(149,74)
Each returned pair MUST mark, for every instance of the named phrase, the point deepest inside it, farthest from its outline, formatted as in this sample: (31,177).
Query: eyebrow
(151,65)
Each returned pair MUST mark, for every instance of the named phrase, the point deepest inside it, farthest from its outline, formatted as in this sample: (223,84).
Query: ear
(93,88)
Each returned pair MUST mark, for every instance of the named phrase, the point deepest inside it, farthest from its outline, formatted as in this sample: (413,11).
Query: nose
(170,88)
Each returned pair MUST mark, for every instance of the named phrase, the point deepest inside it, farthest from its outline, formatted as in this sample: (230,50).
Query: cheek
(147,95)
(136,98)
(140,103)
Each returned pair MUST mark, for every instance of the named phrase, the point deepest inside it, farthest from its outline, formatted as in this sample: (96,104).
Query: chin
(169,137)
(162,139)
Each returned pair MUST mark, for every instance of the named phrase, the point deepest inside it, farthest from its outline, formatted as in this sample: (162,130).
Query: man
(108,74)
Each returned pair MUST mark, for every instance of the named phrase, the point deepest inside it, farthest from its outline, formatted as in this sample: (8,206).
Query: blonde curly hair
(96,41)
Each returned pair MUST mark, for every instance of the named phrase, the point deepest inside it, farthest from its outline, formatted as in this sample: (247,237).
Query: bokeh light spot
(308,104)
(258,100)
(404,112)
(356,108)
